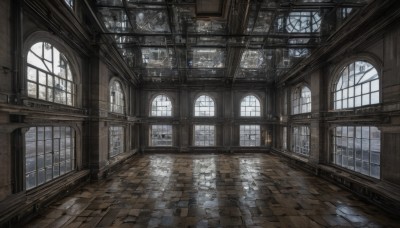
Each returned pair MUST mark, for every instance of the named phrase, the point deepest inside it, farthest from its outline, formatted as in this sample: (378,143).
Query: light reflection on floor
(205,190)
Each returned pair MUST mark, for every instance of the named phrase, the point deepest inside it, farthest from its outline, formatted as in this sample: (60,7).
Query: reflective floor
(241,190)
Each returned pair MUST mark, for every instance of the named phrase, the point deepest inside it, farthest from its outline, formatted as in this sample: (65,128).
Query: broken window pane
(157,57)
(253,59)
(161,135)
(207,58)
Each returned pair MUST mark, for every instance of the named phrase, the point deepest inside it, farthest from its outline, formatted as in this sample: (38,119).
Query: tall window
(358,148)
(301,140)
(358,85)
(117,101)
(204,106)
(250,106)
(49,75)
(116,140)
(301,100)
(161,135)
(49,153)
(204,135)
(250,135)
(161,106)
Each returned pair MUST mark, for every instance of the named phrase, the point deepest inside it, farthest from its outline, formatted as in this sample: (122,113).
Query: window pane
(161,135)
(117,100)
(204,106)
(204,135)
(358,82)
(161,106)
(362,149)
(43,72)
(250,106)
(250,135)
(116,140)
(40,164)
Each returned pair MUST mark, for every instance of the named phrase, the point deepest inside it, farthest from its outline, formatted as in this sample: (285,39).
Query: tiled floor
(175,190)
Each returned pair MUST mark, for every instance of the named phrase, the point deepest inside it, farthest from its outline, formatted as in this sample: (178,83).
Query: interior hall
(199,113)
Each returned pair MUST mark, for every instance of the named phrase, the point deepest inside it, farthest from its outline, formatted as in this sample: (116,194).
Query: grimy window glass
(204,106)
(301,140)
(49,153)
(117,136)
(301,100)
(250,106)
(117,100)
(204,135)
(161,106)
(357,148)
(161,135)
(358,85)
(250,135)
(49,75)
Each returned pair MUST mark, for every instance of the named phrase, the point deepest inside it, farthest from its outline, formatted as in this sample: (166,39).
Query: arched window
(49,153)
(301,100)
(49,75)
(357,85)
(250,106)
(204,106)
(117,100)
(161,106)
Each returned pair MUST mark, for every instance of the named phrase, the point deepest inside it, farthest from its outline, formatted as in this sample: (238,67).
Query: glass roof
(251,40)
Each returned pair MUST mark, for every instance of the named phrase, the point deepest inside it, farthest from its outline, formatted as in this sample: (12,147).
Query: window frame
(68,60)
(337,73)
(205,116)
(259,102)
(214,135)
(124,102)
(353,138)
(110,146)
(259,134)
(296,138)
(151,106)
(45,139)
(297,100)
(151,143)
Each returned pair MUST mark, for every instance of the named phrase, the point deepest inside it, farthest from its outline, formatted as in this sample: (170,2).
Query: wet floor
(241,190)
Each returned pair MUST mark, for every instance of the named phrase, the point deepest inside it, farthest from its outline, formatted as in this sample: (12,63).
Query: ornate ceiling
(229,40)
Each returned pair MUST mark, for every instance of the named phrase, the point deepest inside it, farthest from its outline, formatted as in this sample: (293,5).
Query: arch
(50,70)
(204,105)
(161,105)
(356,83)
(250,106)
(117,96)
